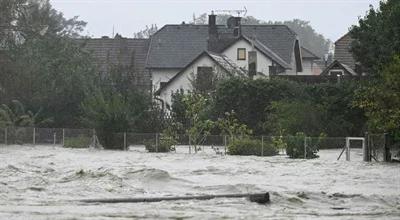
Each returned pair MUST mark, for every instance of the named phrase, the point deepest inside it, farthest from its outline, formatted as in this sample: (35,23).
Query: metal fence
(156,142)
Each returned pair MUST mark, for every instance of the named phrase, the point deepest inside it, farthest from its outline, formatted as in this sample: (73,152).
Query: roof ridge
(309,51)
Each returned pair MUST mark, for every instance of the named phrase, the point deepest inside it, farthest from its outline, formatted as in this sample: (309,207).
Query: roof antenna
(113,32)
(239,13)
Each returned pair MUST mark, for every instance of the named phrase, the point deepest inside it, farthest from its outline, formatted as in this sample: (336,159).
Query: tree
(15,114)
(111,112)
(231,126)
(343,118)
(377,36)
(309,38)
(147,32)
(200,126)
(381,99)
(251,99)
(44,67)
(292,116)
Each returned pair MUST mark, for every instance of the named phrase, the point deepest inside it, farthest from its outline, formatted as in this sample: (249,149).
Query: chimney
(212,31)
(212,20)
(234,23)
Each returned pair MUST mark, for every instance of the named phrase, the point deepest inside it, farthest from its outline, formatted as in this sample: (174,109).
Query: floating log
(260,198)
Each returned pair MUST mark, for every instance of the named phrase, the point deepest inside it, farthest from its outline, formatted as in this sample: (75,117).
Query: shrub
(247,146)
(295,146)
(77,142)
(165,145)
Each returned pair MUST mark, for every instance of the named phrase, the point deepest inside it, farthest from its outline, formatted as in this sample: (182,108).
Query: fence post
(54,138)
(225,143)
(262,145)
(157,142)
(5,135)
(190,145)
(63,136)
(34,136)
(347,149)
(94,138)
(125,146)
(386,149)
(366,148)
(305,147)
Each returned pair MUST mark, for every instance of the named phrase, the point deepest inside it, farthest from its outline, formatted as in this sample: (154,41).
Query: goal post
(366,155)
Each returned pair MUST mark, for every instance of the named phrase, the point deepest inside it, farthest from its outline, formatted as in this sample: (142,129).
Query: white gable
(263,62)
(183,80)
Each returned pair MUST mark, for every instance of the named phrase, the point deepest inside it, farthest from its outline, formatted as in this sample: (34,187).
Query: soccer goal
(366,156)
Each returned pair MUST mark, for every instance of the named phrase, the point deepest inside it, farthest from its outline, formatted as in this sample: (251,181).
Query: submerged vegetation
(77,142)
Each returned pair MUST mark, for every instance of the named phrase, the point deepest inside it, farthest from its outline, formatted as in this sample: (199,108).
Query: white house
(219,66)
(176,52)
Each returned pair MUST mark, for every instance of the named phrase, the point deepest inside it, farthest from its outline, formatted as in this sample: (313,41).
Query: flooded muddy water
(47,182)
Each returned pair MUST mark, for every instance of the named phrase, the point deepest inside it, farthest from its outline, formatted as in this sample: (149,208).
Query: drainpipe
(162,102)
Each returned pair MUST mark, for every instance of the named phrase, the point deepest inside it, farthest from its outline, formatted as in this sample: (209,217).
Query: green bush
(295,146)
(165,145)
(247,146)
(77,142)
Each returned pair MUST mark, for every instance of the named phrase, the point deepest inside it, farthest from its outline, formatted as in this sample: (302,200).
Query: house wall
(293,65)
(342,51)
(309,68)
(161,75)
(263,62)
(183,80)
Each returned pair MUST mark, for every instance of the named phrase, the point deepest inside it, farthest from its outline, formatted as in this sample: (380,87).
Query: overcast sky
(332,18)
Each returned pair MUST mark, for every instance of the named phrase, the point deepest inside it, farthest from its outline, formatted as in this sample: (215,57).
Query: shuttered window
(241,53)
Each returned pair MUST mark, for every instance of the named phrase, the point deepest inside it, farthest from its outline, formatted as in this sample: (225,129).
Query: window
(241,53)
(336,72)
(162,84)
(204,79)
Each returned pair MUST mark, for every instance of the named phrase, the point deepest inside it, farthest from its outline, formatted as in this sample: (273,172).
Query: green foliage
(377,36)
(229,125)
(178,109)
(166,144)
(44,69)
(279,143)
(295,146)
(196,105)
(251,99)
(296,115)
(248,146)
(110,112)
(342,117)
(16,115)
(381,99)
(77,142)
(166,141)
(323,108)
(115,105)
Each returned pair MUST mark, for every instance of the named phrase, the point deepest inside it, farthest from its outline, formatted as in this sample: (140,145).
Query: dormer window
(241,53)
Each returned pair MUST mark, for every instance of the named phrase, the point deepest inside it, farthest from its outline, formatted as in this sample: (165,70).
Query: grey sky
(332,18)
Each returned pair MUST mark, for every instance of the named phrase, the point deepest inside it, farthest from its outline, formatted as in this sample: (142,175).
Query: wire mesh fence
(295,146)
(46,136)
(376,144)
(18,135)
(77,138)
(3,136)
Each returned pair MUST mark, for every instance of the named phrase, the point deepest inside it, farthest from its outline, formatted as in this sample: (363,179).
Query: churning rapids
(46,182)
